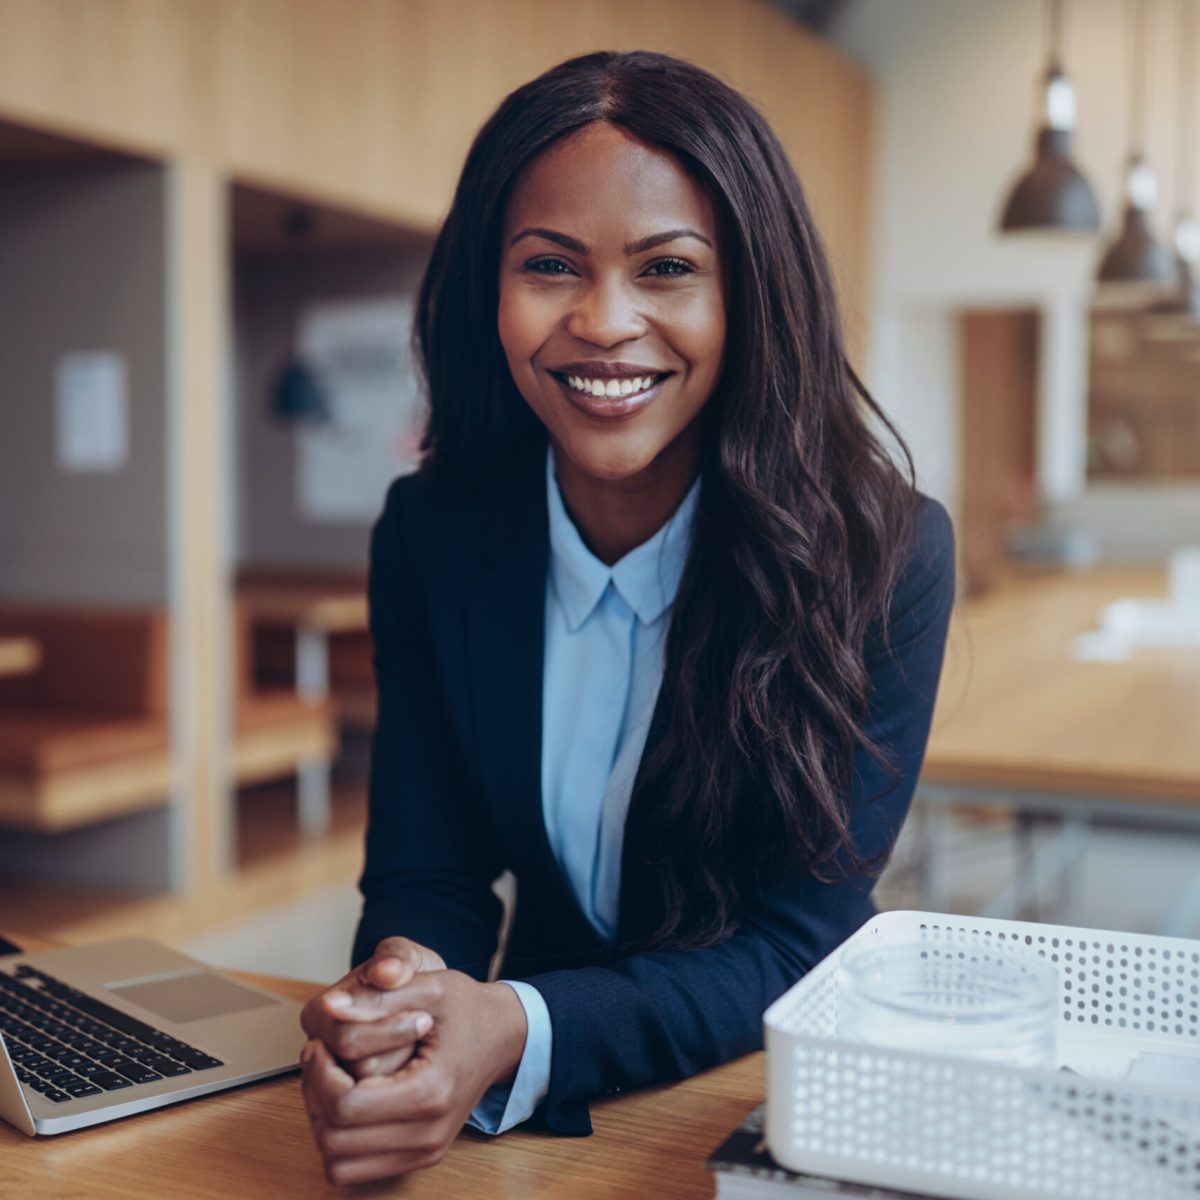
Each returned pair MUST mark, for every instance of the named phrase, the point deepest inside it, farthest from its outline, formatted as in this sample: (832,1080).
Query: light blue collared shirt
(606,629)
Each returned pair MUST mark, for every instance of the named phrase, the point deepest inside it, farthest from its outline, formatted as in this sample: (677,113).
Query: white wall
(958,101)
(82,268)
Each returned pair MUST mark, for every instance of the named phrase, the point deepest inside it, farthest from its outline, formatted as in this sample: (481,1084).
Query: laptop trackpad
(192,997)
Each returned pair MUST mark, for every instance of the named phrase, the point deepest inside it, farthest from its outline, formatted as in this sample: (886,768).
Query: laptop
(94,1033)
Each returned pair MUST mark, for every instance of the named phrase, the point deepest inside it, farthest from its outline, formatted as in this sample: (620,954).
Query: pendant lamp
(1052,195)
(1186,301)
(297,395)
(1135,260)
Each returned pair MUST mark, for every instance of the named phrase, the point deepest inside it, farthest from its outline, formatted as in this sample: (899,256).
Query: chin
(609,462)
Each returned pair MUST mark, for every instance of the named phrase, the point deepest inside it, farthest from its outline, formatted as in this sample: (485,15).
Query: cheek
(700,335)
(509,324)
(523,323)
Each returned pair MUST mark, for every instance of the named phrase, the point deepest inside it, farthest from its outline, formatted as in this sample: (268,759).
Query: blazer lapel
(639,908)
(504,603)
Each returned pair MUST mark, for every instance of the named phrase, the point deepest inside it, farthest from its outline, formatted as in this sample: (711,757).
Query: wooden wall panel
(999,374)
(372,104)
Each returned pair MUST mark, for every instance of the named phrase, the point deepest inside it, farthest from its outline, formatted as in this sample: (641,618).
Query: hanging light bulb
(297,394)
(1186,301)
(1052,195)
(1136,265)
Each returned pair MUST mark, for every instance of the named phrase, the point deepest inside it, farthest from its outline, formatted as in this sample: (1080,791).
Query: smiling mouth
(610,399)
(610,389)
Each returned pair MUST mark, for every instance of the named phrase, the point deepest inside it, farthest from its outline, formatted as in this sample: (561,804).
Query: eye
(670,266)
(548,265)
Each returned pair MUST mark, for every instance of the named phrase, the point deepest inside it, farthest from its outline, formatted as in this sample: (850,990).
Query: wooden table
(255,1141)
(315,609)
(19,655)
(1019,720)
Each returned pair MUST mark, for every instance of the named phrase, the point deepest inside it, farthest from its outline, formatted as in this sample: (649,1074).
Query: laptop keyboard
(67,1045)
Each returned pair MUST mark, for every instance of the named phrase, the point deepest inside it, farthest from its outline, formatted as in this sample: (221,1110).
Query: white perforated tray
(954,1127)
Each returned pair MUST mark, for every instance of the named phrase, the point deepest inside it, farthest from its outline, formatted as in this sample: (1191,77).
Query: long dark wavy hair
(804,520)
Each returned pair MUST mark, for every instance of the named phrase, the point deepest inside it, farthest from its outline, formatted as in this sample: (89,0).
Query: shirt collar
(647,577)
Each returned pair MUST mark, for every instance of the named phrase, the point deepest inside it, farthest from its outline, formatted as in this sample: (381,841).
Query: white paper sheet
(91,402)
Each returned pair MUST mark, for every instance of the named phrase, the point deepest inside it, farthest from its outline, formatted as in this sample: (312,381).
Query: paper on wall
(91,411)
(359,351)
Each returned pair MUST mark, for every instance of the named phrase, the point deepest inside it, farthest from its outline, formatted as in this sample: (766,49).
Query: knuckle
(431,1158)
(343,1109)
(432,1144)
(344,1042)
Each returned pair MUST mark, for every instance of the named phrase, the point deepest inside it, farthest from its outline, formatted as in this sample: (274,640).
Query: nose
(605,314)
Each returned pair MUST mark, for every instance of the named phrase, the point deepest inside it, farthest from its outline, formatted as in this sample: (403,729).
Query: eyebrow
(638,247)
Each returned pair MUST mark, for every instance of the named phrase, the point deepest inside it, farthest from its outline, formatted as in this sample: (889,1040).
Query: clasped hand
(399,1053)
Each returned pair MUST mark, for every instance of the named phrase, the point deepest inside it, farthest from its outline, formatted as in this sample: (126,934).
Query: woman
(658,627)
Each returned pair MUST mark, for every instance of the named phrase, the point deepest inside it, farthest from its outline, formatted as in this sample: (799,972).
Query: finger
(388,971)
(325,1083)
(390,1137)
(422,957)
(308,1092)
(368,1168)
(420,1092)
(359,998)
(350,1040)
(380,1064)
(424,993)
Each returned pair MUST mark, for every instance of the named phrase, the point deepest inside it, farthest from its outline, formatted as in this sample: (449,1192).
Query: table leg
(1053,863)
(312,790)
(933,893)
(312,663)
(312,682)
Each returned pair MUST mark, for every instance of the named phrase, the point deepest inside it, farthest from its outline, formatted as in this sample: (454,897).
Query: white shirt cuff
(505,1105)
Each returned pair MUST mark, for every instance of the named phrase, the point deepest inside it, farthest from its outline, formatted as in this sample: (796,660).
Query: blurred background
(214,215)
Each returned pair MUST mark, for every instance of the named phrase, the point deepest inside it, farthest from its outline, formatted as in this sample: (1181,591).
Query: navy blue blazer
(457,594)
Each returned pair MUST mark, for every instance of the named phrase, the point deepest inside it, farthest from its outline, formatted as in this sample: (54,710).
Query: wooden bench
(85,736)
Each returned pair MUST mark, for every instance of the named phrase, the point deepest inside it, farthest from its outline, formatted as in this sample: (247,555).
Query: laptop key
(135,1072)
(202,1062)
(57,1096)
(168,1066)
(81,1088)
(109,1081)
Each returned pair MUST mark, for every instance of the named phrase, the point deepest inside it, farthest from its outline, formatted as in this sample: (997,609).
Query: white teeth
(611,387)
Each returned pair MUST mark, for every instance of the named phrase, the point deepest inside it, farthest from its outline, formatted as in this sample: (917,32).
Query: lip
(595,369)
(609,408)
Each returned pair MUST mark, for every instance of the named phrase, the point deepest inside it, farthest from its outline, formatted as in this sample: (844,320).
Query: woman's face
(612,301)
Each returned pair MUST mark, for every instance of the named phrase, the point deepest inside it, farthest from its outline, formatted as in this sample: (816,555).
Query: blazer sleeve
(430,857)
(667,1014)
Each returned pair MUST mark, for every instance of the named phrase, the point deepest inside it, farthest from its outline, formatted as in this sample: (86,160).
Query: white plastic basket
(960,1128)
